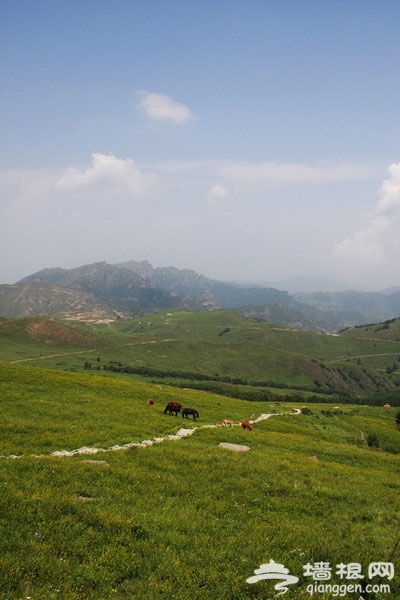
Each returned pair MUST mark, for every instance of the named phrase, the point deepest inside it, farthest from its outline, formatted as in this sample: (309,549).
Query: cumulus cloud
(375,248)
(107,172)
(160,107)
(389,200)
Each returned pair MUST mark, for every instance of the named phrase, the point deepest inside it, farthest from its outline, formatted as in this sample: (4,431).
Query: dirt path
(149,342)
(361,432)
(361,356)
(145,443)
(88,350)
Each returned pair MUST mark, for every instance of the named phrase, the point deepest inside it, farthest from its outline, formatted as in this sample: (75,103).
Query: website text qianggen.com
(343,589)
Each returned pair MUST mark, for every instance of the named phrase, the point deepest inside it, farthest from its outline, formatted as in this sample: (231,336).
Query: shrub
(372,440)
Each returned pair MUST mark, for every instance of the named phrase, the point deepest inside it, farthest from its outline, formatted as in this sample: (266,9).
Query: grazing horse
(173,407)
(246,425)
(190,411)
(226,422)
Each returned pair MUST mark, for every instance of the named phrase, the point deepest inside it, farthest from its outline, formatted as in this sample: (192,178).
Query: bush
(372,440)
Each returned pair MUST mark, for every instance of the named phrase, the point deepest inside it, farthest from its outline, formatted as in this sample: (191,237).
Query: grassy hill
(22,338)
(219,351)
(185,518)
(388,330)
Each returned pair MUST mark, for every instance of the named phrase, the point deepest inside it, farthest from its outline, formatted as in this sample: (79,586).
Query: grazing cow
(150,401)
(246,425)
(226,422)
(190,411)
(173,407)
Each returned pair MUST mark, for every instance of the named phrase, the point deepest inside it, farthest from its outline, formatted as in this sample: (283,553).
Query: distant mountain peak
(136,288)
(142,268)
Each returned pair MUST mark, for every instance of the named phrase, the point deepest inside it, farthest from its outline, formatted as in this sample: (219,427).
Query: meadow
(224,347)
(185,519)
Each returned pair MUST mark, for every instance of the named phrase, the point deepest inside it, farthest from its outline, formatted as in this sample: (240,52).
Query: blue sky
(246,140)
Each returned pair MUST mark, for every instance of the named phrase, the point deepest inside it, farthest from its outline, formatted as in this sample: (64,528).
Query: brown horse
(246,425)
(173,407)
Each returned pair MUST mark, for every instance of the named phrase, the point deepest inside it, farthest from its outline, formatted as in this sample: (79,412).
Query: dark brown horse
(190,411)
(173,407)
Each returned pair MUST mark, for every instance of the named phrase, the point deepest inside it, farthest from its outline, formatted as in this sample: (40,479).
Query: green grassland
(181,346)
(185,519)
(22,339)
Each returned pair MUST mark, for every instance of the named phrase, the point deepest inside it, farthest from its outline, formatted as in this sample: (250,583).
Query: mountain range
(105,291)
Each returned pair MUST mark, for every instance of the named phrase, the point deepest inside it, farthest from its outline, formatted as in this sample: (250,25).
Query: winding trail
(89,350)
(145,443)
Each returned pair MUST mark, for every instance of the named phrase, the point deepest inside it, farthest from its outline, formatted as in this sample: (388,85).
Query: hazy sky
(244,139)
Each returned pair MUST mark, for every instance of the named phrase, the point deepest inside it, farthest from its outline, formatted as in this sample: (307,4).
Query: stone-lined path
(157,440)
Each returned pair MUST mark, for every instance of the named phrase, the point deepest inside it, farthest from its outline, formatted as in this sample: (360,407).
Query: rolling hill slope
(212,350)
(184,518)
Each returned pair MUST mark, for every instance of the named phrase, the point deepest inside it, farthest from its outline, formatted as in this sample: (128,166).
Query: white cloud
(229,173)
(219,191)
(160,107)
(274,172)
(375,248)
(366,247)
(25,191)
(217,194)
(265,220)
(107,172)
(389,200)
